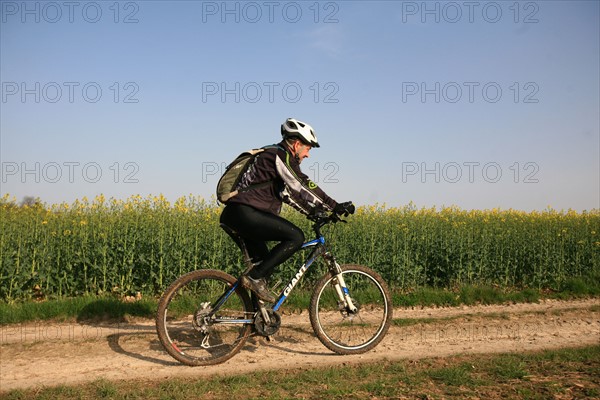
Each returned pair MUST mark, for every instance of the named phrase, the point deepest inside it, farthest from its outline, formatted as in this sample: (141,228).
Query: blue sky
(473,104)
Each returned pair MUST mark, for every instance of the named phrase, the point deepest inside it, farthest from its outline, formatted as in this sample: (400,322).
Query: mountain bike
(205,316)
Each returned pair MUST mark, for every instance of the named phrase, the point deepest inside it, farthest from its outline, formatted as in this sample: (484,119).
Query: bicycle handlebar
(322,218)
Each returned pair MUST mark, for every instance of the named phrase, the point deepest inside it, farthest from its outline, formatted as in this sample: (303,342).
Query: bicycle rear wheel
(347,331)
(188,328)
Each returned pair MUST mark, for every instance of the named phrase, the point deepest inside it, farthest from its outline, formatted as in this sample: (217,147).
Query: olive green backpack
(235,171)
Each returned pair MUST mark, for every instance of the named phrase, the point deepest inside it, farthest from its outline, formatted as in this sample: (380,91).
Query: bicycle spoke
(191,330)
(342,330)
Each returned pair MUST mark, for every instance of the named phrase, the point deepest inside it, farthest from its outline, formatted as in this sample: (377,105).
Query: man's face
(301,150)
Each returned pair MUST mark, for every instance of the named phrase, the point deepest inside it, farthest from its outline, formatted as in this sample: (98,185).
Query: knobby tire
(352,333)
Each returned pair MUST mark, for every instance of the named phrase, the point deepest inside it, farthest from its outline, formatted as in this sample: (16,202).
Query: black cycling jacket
(277,165)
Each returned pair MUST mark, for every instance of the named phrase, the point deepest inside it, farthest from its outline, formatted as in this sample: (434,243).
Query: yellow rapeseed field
(143,243)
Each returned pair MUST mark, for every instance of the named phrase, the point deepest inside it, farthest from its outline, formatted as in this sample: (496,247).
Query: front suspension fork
(339,284)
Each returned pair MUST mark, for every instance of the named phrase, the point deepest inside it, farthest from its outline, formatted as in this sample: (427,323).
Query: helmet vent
(292,128)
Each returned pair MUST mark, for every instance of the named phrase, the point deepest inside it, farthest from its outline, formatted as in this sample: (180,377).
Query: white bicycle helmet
(292,128)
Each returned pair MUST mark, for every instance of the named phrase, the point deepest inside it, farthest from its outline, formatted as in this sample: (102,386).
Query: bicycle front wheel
(198,324)
(351,328)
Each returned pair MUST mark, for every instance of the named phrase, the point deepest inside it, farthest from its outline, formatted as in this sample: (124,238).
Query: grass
(564,373)
(112,308)
(80,308)
(472,295)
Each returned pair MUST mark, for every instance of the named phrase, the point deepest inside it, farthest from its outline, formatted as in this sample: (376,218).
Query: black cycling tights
(258,227)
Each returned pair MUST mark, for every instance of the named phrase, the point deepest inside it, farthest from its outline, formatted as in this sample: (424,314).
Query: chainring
(264,329)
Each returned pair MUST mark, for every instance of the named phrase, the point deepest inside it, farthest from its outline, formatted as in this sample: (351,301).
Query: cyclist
(254,214)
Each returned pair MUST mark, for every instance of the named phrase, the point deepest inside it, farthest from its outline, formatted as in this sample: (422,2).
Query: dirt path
(42,354)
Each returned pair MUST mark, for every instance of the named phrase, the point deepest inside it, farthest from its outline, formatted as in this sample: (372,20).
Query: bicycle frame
(319,245)
(319,248)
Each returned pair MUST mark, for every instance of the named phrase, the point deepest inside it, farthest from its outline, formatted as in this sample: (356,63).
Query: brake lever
(336,218)
(317,216)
